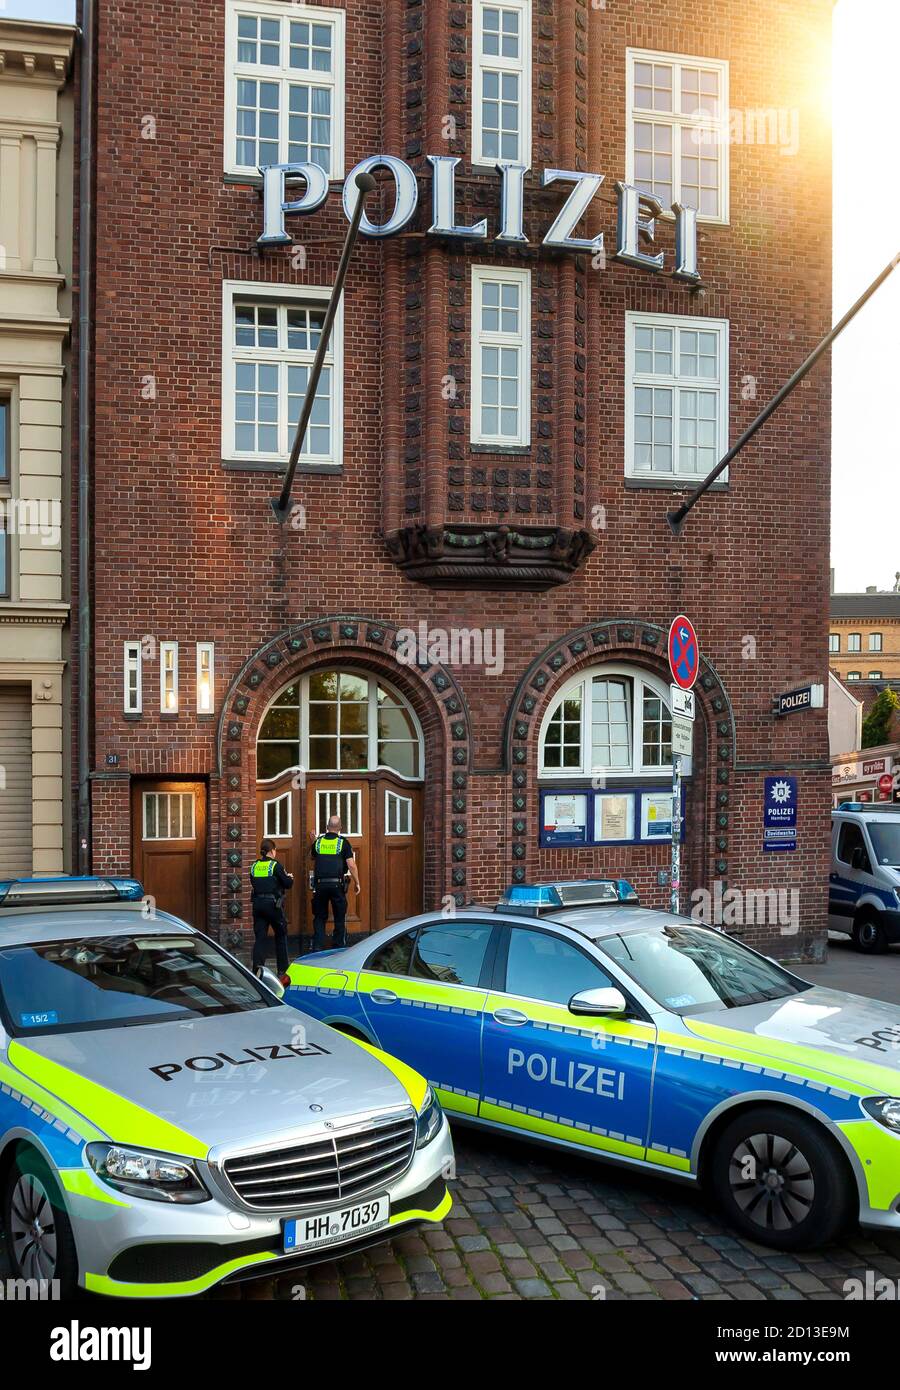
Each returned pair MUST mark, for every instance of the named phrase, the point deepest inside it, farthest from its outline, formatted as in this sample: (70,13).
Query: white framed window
(834,641)
(206,677)
(676,394)
(345,804)
(874,676)
(168,815)
(270,337)
(677,136)
(875,641)
(853,675)
(501,356)
(133,679)
(397,813)
(339,721)
(284,86)
(501,82)
(854,642)
(610,720)
(277,817)
(168,677)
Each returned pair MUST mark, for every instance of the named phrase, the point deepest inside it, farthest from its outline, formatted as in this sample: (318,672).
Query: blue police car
(640,1037)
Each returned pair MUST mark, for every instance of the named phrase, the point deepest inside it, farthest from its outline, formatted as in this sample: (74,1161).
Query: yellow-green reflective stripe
(669,1160)
(52,1104)
(425,991)
(415,1085)
(121,1118)
(569,1132)
(879,1155)
(463,1105)
(559,1014)
(100,1283)
(326,978)
(79,1181)
(437,1214)
(777,1056)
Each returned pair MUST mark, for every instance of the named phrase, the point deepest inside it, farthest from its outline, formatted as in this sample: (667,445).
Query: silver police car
(166,1123)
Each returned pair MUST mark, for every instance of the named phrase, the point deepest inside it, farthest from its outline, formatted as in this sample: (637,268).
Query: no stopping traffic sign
(684,652)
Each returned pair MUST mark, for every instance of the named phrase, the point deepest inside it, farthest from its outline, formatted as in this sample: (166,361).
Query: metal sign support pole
(676,833)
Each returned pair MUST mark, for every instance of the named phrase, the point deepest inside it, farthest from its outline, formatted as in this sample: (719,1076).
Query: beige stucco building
(36,187)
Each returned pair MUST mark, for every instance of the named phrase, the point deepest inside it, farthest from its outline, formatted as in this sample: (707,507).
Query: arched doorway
(343,741)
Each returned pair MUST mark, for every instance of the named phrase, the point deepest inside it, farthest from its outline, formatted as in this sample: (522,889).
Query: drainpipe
(85,615)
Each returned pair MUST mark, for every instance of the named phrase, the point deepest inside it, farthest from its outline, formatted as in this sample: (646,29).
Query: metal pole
(280,505)
(676,518)
(676,833)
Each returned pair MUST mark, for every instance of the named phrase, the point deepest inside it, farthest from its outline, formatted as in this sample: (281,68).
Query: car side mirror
(598,1003)
(271,982)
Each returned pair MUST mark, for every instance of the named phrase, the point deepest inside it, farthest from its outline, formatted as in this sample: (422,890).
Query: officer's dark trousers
(334,894)
(268,912)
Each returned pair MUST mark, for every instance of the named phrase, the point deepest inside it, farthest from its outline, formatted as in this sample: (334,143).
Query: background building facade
(36,191)
(458,639)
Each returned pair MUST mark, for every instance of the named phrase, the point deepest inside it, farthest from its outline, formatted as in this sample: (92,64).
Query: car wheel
(38,1231)
(868,936)
(780,1179)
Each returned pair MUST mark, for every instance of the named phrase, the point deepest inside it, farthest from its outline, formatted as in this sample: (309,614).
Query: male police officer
(269,882)
(333,861)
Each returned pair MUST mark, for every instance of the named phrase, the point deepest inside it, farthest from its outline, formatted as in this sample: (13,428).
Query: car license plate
(326,1227)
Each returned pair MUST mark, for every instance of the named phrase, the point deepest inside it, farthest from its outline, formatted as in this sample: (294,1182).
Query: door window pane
(451,955)
(541,966)
(394,956)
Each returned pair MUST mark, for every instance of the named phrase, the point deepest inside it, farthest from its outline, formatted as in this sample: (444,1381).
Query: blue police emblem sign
(684,652)
(780,814)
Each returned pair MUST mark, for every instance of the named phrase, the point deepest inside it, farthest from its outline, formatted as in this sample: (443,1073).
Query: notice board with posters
(634,815)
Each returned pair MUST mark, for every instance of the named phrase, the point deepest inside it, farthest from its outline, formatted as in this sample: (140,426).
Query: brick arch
(334,641)
(637,643)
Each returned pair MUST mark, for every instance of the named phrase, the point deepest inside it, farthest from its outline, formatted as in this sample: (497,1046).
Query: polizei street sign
(636,210)
(806,697)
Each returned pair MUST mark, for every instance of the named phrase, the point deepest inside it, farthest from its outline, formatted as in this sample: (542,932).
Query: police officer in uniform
(269,882)
(333,864)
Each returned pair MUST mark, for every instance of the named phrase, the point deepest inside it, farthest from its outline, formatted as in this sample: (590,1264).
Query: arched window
(611,720)
(339,721)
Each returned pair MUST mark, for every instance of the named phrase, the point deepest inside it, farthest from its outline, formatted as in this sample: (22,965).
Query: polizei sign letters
(636,210)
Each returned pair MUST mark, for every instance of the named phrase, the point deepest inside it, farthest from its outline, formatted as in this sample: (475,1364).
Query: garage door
(15,781)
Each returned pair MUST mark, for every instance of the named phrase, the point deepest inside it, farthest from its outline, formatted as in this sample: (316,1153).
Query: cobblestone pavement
(529,1223)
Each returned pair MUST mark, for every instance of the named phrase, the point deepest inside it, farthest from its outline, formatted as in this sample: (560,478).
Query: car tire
(781,1180)
(869,935)
(32,1195)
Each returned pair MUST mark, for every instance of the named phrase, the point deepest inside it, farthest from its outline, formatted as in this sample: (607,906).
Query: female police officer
(269,882)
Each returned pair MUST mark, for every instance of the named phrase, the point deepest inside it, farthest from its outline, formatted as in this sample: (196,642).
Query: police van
(864,885)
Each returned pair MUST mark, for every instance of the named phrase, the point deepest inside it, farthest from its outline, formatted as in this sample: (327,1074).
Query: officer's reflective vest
(261,869)
(327,848)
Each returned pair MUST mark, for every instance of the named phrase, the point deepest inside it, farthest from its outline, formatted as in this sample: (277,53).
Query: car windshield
(885,837)
(695,969)
(114,981)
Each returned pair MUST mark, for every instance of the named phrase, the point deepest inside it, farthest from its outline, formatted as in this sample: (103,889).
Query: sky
(866,359)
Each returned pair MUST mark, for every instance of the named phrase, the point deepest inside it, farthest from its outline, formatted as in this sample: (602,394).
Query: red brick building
(500,431)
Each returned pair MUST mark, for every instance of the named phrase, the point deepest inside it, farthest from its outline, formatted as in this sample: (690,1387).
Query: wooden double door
(381,816)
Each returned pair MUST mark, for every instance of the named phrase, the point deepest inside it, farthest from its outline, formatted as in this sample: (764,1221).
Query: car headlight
(430,1119)
(884,1109)
(156,1177)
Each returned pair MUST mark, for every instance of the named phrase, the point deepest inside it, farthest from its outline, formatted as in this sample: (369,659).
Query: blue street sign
(780,814)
